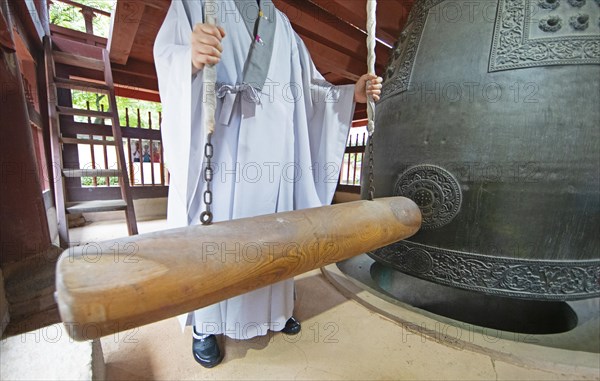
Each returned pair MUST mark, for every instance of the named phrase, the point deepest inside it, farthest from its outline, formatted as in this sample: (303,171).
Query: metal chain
(206,217)
(371,176)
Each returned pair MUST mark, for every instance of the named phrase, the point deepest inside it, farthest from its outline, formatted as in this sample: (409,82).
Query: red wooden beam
(329,29)
(329,59)
(24,224)
(125,22)
(354,12)
(137,93)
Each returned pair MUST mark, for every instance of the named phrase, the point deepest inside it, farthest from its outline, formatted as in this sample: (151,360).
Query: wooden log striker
(111,286)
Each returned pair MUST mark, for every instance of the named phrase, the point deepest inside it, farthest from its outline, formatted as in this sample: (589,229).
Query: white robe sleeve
(328,112)
(180,94)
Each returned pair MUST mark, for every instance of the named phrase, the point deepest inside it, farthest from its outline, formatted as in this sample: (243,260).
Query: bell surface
(490,121)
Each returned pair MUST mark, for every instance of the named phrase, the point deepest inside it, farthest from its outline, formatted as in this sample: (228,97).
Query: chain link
(206,216)
(371,176)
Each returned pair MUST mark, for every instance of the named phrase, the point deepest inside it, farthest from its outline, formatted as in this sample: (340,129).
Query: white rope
(209,76)
(371,42)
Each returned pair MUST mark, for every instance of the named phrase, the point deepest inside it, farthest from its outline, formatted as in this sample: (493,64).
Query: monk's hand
(368,84)
(206,45)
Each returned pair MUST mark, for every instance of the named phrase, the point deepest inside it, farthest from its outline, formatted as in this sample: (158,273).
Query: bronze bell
(490,122)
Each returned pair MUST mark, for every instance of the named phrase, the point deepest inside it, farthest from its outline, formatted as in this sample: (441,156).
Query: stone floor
(341,340)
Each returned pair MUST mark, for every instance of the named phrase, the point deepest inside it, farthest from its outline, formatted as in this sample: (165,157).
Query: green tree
(100,102)
(69,16)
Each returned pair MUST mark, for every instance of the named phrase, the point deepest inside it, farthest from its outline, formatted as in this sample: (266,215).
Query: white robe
(282,154)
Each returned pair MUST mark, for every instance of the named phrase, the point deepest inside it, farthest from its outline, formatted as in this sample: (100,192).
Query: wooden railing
(148,177)
(88,13)
(145,156)
(352,163)
(142,146)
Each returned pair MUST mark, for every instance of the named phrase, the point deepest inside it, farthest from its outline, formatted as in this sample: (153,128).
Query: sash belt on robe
(229,94)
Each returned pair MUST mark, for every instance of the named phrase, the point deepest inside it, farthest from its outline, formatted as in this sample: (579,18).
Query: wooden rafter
(316,24)
(333,31)
(125,22)
(389,15)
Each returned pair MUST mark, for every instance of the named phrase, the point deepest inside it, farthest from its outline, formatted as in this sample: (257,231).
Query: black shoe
(292,327)
(206,351)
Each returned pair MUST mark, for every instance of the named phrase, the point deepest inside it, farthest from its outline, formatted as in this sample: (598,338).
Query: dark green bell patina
(490,121)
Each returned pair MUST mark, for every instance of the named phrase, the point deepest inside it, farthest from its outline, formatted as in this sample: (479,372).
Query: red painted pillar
(23,222)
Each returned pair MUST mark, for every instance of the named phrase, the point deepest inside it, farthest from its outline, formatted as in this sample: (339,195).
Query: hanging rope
(209,97)
(371,42)
(209,76)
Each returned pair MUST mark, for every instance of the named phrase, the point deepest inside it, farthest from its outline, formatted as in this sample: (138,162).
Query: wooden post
(24,223)
(105,151)
(42,7)
(92,153)
(129,149)
(88,16)
(151,147)
(162,159)
(4,315)
(25,239)
(139,125)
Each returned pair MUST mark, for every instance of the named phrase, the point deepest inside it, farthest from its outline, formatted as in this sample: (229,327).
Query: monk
(279,139)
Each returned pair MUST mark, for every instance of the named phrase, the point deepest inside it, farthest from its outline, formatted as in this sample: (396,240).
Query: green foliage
(100,181)
(144,106)
(99,102)
(69,16)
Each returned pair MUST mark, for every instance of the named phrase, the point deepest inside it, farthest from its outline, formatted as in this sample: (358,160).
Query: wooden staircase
(74,59)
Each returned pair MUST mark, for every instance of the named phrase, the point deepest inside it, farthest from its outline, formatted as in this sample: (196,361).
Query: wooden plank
(91,172)
(111,193)
(26,13)
(81,49)
(355,13)
(327,58)
(73,128)
(34,117)
(146,34)
(43,13)
(143,279)
(87,141)
(83,6)
(124,183)
(144,69)
(95,206)
(56,148)
(330,30)
(43,102)
(360,111)
(125,76)
(359,122)
(82,112)
(137,93)
(355,149)
(158,4)
(75,84)
(77,36)
(392,16)
(348,188)
(125,22)
(35,19)
(78,61)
